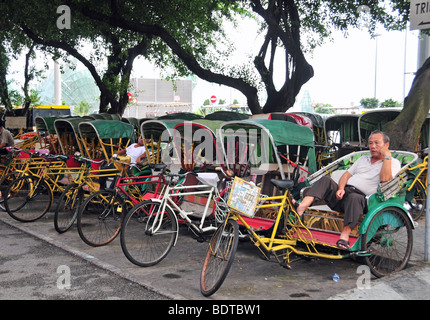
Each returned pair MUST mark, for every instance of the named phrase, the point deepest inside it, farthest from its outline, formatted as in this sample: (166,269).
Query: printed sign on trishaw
(243,197)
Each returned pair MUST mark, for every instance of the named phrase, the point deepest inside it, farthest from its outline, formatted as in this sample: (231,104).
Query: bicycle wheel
(67,208)
(148,234)
(28,198)
(417,205)
(100,217)
(388,239)
(4,183)
(219,257)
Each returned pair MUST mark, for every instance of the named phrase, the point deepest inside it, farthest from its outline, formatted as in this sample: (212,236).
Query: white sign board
(420,14)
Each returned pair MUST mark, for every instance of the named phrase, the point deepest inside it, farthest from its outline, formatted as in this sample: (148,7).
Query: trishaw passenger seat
(282,184)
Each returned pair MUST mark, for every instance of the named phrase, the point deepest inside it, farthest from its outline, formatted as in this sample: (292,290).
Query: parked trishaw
(226,116)
(383,238)
(189,116)
(134,122)
(48,139)
(292,117)
(261,150)
(374,120)
(68,135)
(317,126)
(263,147)
(196,144)
(343,134)
(103,138)
(157,135)
(323,153)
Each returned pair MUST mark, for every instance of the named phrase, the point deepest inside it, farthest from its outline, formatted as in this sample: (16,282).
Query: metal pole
(57,84)
(376,63)
(427,231)
(423,54)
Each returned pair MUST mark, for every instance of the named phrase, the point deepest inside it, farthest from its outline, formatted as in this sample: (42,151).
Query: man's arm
(385,174)
(342,183)
(141,157)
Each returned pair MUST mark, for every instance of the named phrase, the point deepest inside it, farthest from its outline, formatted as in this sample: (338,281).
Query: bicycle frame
(123,182)
(179,191)
(420,177)
(288,242)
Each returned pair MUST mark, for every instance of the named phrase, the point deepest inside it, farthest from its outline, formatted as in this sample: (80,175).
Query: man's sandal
(342,244)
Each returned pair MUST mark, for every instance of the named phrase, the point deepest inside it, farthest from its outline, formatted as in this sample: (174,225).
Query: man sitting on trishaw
(359,181)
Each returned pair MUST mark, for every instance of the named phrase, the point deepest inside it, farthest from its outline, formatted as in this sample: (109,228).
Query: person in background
(135,151)
(6,139)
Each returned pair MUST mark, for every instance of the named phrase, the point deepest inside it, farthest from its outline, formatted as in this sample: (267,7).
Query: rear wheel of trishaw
(28,198)
(67,208)
(100,217)
(389,240)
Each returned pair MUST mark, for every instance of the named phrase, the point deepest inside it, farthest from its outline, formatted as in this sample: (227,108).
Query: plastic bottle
(336,277)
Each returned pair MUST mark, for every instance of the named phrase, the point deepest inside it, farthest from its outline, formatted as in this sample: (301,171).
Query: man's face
(376,144)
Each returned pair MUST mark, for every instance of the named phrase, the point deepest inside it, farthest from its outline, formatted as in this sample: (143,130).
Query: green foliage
(390,103)
(372,103)
(324,108)
(82,109)
(369,103)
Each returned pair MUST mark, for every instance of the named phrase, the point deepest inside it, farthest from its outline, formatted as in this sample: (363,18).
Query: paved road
(31,268)
(31,255)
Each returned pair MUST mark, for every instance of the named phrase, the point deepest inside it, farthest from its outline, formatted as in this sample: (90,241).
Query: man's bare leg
(306,202)
(345,233)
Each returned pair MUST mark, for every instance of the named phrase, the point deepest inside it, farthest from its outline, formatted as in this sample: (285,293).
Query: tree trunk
(4,93)
(404,131)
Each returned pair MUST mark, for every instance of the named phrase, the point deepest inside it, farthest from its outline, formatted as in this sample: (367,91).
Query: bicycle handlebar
(17,150)
(54,156)
(78,157)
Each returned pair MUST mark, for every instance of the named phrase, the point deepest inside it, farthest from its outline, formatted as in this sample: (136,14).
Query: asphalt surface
(38,263)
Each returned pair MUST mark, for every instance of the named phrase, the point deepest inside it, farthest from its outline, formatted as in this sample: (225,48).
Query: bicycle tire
(418,204)
(67,209)
(28,198)
(141,246)
(219,257)
(5,182)
(100,217)
(389,239)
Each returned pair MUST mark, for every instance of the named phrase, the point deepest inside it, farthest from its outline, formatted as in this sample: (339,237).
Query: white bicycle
(150,229)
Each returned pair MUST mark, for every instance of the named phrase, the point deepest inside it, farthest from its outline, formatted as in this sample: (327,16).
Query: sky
(344,68)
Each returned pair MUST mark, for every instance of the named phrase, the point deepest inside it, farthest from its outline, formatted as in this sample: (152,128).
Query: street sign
(213,99)
(420,14)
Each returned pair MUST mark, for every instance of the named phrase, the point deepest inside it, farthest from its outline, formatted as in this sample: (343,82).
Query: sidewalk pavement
(250,278)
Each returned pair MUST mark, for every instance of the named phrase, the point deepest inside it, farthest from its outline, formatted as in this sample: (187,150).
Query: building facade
(158,97)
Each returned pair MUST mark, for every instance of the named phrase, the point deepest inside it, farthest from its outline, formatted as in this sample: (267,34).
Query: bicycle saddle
(282,184)
(158,166)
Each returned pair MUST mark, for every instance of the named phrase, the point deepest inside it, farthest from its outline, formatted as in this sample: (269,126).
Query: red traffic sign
(213,99)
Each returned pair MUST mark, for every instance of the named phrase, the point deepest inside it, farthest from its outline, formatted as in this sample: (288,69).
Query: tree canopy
(189,37)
